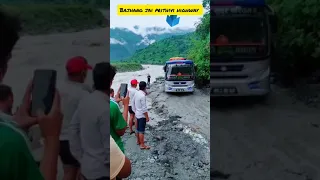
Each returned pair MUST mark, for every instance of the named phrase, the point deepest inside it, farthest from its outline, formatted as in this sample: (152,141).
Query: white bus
(179,75)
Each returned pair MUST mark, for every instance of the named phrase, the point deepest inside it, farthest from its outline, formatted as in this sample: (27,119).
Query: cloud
(115,41)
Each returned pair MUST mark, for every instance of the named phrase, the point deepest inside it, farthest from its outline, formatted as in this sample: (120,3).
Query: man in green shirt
(16,159)
(118,120)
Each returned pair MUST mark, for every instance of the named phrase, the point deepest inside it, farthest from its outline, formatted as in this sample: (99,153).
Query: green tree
(200,51)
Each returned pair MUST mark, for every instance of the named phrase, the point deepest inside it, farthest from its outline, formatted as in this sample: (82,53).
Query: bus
(179,75)
(242,41)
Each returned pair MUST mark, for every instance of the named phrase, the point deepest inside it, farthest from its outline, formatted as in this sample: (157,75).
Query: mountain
(162,50)
(124,42)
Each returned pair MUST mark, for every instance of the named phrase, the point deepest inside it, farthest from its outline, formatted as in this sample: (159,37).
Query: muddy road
(178,134)
(278,140)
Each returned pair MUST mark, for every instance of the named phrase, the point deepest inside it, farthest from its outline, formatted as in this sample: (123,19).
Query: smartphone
(43,90)
(123,90)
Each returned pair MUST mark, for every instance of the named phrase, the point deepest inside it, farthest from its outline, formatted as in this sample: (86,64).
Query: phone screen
(43,91)
(123,90)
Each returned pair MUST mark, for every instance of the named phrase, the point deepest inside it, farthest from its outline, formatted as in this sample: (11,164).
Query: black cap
(142,85)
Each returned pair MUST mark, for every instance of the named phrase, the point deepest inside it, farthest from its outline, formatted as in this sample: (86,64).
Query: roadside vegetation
(298,40)
(127,67)
(44,16)
(200,49)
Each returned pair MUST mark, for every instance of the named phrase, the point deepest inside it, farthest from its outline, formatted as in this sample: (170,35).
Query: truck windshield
(239,36)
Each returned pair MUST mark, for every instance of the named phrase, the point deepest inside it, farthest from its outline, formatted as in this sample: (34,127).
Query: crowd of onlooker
(83,128)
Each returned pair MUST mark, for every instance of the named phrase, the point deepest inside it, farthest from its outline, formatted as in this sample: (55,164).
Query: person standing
(149,79)
(6,99)
(90,127)
(16,159)
(72,90)
(132,90)
(114,97)
(141,112)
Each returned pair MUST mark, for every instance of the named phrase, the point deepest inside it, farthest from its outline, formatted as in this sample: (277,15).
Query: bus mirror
(164,68)
(274,23)
(195,68)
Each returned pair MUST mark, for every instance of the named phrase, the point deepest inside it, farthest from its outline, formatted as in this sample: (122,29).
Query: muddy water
(154,70)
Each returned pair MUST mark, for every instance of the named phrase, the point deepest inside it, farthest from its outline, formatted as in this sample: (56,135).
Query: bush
(200,51)
(298,38)
(41,19)
(127,67)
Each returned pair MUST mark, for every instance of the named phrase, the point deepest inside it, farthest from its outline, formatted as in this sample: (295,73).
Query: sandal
(145,147)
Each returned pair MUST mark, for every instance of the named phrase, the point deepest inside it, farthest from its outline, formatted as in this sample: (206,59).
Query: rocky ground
(178,150)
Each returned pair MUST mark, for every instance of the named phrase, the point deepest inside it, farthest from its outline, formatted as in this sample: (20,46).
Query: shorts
(141,125)
(130,110)
(66,156)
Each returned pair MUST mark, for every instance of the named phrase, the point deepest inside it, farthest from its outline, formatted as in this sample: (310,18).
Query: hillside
(161,51)
(124,42)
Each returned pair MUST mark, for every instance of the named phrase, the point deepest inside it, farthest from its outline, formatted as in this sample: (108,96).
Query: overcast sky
(149,21)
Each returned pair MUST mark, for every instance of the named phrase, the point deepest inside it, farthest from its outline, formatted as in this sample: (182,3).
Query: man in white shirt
(132,90)
(139,106)
(72,90)
(91,126)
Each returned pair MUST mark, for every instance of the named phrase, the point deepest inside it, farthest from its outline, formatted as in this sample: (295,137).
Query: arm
(133,106)
(120,164)
(75,143)
(104,128)
(144,107)
(27,124)
(125,112)
(117,121)
(49,162)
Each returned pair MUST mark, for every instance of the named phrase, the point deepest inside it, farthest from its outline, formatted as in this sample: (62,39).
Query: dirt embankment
(177,151)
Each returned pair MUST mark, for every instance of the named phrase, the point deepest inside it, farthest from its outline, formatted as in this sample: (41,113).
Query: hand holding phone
(123,90)
(43,91)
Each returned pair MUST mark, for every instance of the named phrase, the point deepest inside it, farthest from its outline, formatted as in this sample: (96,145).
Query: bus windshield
(239,36)
(180,72)
(244,30)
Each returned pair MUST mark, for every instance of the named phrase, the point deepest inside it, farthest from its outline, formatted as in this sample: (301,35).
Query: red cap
(134,82)
(77,64)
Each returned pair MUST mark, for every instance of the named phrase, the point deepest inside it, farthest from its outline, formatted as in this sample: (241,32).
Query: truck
(179,75)
(242,42)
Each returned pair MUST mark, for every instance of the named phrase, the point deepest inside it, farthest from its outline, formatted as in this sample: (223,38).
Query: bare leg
(141,139)
(137,134)
(131,122)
